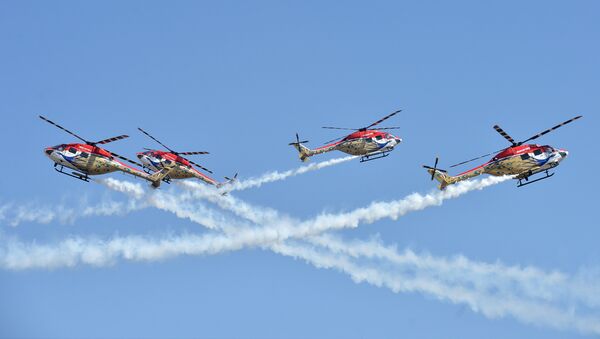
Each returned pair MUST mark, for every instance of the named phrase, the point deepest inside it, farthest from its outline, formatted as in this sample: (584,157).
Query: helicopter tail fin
(440,175)
(443,178)
(304,151)
(228,182)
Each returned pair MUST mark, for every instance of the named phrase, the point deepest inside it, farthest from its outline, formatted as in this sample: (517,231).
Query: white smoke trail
(176,203)
(3,209)
(288,227)
(282,228)
(485,279)
(277,176)
(14,215)
(487,302)
(528,281)
(181,205)
(526,304)
(134,190)
(275,228)
(407,272)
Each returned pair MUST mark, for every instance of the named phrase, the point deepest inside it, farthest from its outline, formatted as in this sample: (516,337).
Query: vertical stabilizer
(443,178)
(440,175)
(304,152)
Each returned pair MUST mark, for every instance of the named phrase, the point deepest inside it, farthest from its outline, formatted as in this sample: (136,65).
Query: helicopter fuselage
(365,143)
(87,159)
(519,161)
(180,168)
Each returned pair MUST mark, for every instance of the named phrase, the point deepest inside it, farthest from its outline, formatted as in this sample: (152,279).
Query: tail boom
(445,179)
(303,152)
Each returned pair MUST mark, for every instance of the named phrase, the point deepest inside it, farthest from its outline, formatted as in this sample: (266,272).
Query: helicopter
(368,143)
(520,160)
(181,168)
(88,159)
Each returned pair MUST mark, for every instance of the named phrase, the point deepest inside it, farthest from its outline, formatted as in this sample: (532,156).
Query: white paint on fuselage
(91,164)
(535,163)
(365,146)
(179,171)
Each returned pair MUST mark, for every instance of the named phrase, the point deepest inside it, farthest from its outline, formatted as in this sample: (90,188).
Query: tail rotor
(229,181)
(232,180)
(298,142)
(434,168)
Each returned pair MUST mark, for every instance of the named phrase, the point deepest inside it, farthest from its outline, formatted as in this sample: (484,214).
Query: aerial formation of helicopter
(520,160)
(89,159)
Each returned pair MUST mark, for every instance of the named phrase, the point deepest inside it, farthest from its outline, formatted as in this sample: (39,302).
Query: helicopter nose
(563,153)
(48,150)
(140,155)
(398,140)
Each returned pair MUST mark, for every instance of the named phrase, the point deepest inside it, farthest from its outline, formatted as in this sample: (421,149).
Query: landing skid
(527,182)
(76,175)
(374,156)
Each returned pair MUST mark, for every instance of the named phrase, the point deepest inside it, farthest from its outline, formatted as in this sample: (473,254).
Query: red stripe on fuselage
(507,153)
(99,152)
(370,133)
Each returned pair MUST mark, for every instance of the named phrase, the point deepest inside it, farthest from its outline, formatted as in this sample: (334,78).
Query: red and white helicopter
(520,160)
(180,167)
(89,159)
(370,144)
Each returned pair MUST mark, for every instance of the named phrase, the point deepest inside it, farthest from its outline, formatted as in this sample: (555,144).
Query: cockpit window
(379,137)
(537,152)
(525,156)
(158,156)
(72,150)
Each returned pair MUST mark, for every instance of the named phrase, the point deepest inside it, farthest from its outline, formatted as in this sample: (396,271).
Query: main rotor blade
(298,142)
(504,134)
(384,128)
(64,129)
(433,168)
(336,139)
(550,129)
(195,164)
(483,156)
(383,119)
(344,128)
(192,153)
(126,159)
(106,141)
(153,138)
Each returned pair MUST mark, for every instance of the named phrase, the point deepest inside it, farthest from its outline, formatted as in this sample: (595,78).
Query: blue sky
(238,79)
